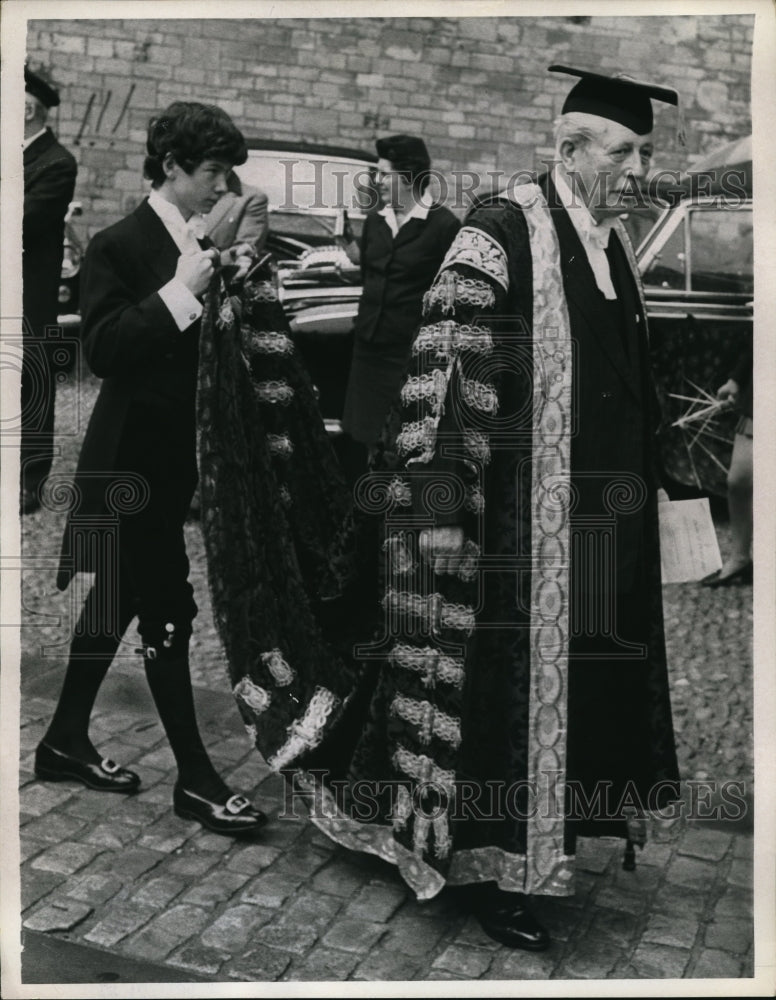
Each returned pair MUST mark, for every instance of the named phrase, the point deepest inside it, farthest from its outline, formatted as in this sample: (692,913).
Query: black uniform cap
(618,98)
(39,88)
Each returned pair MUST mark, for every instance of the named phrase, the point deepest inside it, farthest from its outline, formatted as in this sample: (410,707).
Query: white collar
(32,138)
(419,210)
(184,233)
(593,235)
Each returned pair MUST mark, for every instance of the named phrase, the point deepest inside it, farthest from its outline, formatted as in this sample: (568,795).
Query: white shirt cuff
(185,308)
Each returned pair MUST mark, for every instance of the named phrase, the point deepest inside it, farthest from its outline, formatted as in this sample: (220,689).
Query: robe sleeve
(450,398)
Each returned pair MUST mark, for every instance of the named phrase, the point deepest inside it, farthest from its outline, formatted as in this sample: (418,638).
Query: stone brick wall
(476,88)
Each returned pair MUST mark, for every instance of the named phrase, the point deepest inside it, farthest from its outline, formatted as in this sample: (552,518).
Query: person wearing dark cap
(402,246)
(143,282)
(522,700)
(49,182)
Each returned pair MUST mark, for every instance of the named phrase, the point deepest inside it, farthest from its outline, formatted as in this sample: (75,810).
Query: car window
(721,250)
(668,267)
(300,181)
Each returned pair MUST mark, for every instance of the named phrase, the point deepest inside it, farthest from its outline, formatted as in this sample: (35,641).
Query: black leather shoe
(505,917)
(234,818)
(53,765)
(744,574)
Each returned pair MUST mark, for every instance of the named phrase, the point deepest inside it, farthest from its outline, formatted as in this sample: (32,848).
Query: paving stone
(311,909)
(293,938)
(259,965)
(523,965)
(375,902)
(387,966)
(41,798)
(37,884)
(167,931)
(338,879)
(594,855)
(354,935)
(159,759)
(113,835)
(54,827)
(691,872)
(619,928)
(743,847)
(442,975)
(710,845)
(322,965)
(280,833)
(644,880)
(59,914)
(469,963)
(217,887)
(613,898)
(168,833)
(120,920)
(673,899)
(734,902)
(189,863)
(130,863)
(66,857)
(159,891)
(93,888)
(91,806)
(214,843)
(143,734)
(473,935)
(141,810)
(235,927)
(656,961)
(593,958)
(301,860)
(269,890)
(679,932)
(199,959)
(413,935)
(28,847)
(732,935)
(655,855)
(741,873)
(713,964)
(252,859)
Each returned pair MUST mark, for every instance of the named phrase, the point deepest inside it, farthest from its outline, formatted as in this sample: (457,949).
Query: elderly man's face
(610,169)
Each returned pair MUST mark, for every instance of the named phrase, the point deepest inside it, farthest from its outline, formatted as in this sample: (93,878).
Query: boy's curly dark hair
(191,132)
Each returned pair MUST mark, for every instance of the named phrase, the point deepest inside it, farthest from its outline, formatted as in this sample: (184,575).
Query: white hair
(579,128)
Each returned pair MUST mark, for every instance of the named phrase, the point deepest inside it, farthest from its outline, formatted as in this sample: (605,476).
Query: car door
(697,269)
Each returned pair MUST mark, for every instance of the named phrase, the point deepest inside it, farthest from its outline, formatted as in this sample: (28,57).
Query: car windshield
(295,182)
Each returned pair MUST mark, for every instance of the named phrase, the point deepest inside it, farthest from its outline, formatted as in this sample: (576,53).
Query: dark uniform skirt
(376,374)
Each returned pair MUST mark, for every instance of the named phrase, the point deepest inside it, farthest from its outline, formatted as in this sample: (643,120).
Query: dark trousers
(38,394)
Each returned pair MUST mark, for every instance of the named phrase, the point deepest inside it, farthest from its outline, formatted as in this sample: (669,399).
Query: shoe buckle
(236,804)
(109,766)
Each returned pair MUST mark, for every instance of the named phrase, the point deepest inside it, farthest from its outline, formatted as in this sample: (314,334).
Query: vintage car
(696,265)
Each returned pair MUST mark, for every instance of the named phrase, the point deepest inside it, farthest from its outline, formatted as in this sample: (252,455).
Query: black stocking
(90,657)
(170,682)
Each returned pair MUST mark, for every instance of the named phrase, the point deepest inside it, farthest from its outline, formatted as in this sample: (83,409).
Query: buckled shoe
(234,818)
(506,918)
(107,776)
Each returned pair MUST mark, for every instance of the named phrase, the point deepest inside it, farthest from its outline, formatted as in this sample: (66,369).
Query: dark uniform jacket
(49,183)
(148,366)
(396,273)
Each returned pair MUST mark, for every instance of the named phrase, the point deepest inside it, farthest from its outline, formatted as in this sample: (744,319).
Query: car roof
(311,148)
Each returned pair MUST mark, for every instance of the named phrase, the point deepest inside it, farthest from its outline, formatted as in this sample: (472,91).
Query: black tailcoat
(148,367)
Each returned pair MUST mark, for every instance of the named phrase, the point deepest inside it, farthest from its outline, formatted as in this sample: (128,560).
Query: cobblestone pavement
(126,876)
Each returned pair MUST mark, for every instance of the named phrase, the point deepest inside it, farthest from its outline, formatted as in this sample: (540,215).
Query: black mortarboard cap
(398,148)
(618,98)
(40,88)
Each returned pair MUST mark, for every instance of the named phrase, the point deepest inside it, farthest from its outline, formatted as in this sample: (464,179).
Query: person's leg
(36,451)
(91,653)
(740,490)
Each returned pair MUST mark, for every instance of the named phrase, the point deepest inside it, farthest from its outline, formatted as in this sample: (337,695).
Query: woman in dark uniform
(143,282)
(402,247)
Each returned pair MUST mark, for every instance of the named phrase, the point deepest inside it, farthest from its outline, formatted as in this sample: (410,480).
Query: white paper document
(688,542)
